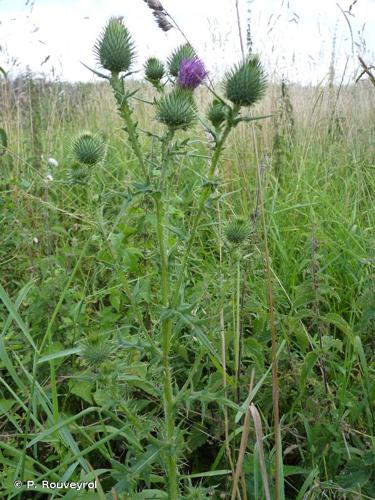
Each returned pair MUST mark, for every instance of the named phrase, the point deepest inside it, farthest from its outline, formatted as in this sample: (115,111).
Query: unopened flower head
(217,113)
(182,52)
(88,149)
(154,70)
(115,49)
(237,231)
(177,109)
(192,73)
(245,84)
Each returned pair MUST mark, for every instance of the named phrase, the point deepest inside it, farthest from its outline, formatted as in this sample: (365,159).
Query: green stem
(131,129)
(167,325)
(237,333)
(169,403)
(126,114)
(202,200)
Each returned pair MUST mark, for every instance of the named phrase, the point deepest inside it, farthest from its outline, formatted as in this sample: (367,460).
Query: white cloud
(294,37)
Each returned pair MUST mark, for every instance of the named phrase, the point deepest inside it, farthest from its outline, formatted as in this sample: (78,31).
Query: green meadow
(92,386)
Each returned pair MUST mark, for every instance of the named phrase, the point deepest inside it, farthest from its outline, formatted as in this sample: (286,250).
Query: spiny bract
(96,350)
(178,55)
(114,48)
(88,149)
(245,84)
(176,109)
(154,70)
(217,113)
(237,231)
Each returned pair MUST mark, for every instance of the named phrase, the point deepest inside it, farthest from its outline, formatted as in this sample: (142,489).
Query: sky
(294,38)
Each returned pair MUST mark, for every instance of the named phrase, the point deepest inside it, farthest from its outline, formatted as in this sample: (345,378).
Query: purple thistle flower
(191,73)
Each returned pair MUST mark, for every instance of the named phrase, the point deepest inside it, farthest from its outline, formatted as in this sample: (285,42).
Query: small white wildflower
(49,178)
(52,162)
(35,240)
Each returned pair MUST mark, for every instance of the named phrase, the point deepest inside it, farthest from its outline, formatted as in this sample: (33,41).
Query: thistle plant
(236,232)
(87,151)
(154,72)
(246,83)
(191,73)
(183,52)
(114,48)
(176,111)
(115,53)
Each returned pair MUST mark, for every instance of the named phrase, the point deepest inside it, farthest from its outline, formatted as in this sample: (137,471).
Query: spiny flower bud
(191,73)
(114,48)
(237,231)
(154,70)
(245,84)
(217,113)
(178,55)
(96,350)
(88,149)
(176,109)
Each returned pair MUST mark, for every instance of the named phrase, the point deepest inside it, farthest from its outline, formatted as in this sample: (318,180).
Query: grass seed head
(162,21)
(154,5)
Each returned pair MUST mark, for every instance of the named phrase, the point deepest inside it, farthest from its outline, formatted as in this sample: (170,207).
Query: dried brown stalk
(366,70)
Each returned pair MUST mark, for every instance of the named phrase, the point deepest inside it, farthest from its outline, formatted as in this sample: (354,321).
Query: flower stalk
(168,398)
(237,325)
(219,146)
(125,111)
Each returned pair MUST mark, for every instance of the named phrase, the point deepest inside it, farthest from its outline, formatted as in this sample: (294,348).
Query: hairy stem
(223,346)
(237,332)
(169,403)
(125,112)
(202,200)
